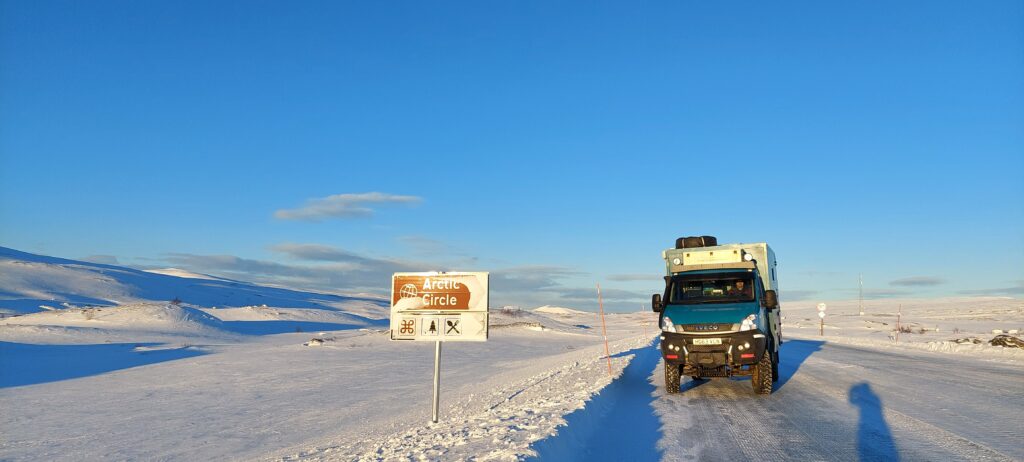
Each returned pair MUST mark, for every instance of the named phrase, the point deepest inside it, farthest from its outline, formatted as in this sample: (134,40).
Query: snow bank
(146,317)
(560,310)
(517,415)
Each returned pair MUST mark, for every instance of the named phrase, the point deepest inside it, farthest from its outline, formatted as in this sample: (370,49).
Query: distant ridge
(177,272)
(559,310)
(29,281)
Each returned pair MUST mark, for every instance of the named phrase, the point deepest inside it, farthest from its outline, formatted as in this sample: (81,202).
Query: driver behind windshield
(740,288)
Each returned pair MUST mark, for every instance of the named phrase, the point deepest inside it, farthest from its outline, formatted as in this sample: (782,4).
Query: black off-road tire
(762,378)
(671,378)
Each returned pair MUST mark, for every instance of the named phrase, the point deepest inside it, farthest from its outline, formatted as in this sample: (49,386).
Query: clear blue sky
(557,144)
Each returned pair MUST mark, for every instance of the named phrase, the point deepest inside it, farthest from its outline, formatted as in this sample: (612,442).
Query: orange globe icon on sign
(408,291)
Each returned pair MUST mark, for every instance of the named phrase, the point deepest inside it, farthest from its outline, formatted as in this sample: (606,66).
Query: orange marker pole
(604,329)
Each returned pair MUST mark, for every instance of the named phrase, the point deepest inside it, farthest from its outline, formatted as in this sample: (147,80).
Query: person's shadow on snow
(874,440)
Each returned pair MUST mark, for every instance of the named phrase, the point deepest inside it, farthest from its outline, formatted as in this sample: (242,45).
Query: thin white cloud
(918,281)
(635,277)
(343,206)
(797,295)
(334,269)
(102,259)
(1016,290)
(316,252)
(324,267)
(426,246)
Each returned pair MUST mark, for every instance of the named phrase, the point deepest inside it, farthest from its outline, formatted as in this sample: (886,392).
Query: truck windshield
(711,289)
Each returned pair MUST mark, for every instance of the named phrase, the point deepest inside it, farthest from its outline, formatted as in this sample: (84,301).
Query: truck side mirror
(771,300)
(656,304)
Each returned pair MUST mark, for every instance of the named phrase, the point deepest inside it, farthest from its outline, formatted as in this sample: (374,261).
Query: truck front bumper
(714,355)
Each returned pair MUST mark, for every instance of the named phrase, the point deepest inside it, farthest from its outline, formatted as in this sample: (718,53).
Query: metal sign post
(439,307)
(437,378)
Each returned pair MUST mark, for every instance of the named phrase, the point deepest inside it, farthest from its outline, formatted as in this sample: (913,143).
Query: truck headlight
(748,323)
(667,326)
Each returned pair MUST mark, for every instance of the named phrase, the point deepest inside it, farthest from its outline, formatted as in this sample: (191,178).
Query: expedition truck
(719,314)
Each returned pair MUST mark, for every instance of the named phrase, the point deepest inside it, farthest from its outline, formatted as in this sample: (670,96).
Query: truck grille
(697,348)
(709,328)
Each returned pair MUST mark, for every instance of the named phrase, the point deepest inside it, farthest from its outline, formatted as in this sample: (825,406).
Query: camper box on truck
(719,312)
(691,259)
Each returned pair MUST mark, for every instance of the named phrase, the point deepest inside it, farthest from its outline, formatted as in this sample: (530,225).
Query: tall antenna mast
(861,304)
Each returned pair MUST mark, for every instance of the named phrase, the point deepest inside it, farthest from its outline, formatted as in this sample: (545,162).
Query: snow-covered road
(833,402)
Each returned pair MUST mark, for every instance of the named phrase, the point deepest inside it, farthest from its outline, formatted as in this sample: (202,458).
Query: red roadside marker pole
(604,329)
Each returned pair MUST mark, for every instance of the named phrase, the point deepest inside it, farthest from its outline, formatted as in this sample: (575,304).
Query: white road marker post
(860,304)
(899,318)
(821,314)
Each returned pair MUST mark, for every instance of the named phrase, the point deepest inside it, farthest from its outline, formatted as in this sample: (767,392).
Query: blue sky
(556,144)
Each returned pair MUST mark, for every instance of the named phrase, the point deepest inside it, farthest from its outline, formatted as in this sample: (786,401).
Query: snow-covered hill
(30,283)
(548,309)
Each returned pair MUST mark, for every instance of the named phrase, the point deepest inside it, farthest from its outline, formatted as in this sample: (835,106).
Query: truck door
(774,322)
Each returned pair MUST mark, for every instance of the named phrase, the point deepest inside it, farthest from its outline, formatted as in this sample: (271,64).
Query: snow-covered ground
(209,392)
(316,378)
(952,325)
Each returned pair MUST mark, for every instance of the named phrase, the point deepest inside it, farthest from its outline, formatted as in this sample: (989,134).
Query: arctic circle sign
(439,306)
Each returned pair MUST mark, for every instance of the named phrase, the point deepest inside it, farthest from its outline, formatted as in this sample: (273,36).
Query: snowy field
(314,377)
(954,325)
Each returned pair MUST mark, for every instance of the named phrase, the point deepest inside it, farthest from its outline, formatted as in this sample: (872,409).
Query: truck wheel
(672,378)
(762,377)
(775,360)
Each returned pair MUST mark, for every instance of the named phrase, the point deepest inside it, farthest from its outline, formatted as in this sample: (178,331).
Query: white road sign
(821,314)
(439,307)
(821,307)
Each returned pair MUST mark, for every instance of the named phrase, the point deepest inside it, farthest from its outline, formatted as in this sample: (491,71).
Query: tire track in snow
(813,417)
(723,419)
